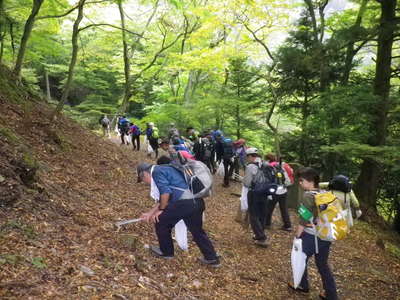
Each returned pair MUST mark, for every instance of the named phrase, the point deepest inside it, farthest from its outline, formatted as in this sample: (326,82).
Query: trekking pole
(120,223)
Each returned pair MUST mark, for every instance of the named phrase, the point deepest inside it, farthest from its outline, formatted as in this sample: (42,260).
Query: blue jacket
(166,177)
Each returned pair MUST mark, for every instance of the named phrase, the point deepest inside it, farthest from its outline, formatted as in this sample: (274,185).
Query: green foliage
(39,262)
(9,135)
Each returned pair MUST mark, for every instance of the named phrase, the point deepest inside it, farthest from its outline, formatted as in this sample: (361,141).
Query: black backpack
(340,183)
(228,149)
(279,174)
(264,182)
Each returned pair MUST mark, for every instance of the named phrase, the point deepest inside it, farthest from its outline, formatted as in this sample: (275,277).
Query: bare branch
(253,33)
(68,11)
(110,25)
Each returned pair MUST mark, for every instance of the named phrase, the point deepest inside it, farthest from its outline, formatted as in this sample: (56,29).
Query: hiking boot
(215,263)
(261,243)
(298,289)
(157,252)
(288,229)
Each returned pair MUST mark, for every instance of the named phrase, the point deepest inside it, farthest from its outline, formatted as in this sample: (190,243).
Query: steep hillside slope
(61,190)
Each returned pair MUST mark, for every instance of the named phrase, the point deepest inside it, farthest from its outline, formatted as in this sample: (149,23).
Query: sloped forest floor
(61,190)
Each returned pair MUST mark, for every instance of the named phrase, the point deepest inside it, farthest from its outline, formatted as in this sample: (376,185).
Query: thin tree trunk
(2,29)
(47,85)
(368,181)
(26,35)
(350,53)
(127,67)
(74,57)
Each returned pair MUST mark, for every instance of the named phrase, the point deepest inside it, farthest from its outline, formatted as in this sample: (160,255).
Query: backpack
(227,146)
(289,172)
(135,130)
(340,183)
(331,223)
(264,182)
(206,148)
(280,177)
(154,133)
(105,122)
(196,174)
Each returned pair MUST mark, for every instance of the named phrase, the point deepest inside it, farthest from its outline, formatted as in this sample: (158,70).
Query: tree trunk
(368,181)
(2,29)
(74,57)
(46,75)
(127,67)
(350,53)
(238,135)
(26,35)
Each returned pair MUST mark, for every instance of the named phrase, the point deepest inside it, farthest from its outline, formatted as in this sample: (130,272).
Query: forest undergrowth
(62,188)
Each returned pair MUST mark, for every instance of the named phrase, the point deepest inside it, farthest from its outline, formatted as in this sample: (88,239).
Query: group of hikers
(182,177)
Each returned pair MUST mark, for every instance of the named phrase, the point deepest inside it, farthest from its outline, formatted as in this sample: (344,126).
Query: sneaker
(261,243)
(215,263)
(288,229)
(157,252)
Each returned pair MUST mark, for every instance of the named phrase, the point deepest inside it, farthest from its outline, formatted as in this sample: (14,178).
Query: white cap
(251,151)
(151,124)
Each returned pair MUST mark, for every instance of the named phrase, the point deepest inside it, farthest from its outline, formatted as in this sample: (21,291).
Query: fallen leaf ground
(57,228)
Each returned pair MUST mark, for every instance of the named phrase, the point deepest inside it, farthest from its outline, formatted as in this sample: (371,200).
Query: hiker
(105,125)
(123,128)
(192,134)
(240,155)
(202,151)
(135,132)
(280,196)
(164,147)
(174,205)
(309,180)
(152,137)
(340,186)
(256,202)
(228,154)
(173,131)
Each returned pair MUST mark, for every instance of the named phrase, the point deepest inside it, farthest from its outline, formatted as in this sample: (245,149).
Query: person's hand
(154,217)
(146,216)
(358,213)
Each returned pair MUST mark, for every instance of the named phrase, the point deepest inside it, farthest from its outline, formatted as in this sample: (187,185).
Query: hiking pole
(120,223)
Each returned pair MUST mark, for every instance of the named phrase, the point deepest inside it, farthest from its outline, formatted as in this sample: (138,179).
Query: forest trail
(57,239)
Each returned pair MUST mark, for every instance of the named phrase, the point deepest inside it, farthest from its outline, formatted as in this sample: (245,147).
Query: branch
(68,11)
(163,48)
(253,33)
(110,25)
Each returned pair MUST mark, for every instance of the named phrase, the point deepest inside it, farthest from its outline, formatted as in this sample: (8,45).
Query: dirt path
(61,243)
(362,269)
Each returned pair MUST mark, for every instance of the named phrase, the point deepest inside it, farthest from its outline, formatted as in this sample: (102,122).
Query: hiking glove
(358,213)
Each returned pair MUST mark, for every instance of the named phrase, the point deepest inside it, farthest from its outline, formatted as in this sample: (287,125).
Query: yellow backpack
(331,224)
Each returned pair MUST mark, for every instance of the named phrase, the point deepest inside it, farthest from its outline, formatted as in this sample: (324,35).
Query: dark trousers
(321,260)
(191,212)
(154,144)
(257,208)
(136,142)
(228,168)
(123,133)
(271,203)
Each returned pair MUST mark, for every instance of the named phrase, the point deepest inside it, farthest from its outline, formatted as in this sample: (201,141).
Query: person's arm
(251,170)
(147,215)
(164,198)
(299,230)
